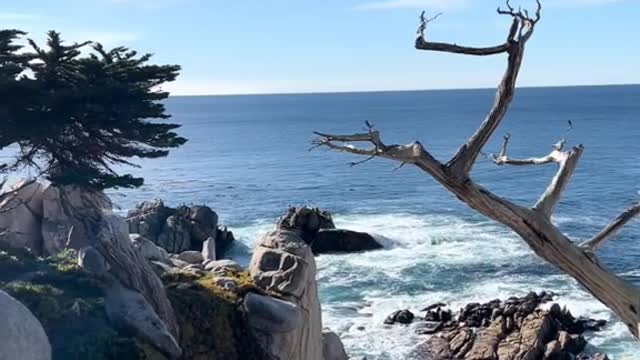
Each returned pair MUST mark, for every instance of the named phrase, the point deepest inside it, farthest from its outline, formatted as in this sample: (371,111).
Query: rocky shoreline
(84,283)
(518,328)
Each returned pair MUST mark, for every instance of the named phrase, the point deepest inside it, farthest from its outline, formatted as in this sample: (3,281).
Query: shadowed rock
(332,348)
(270,314)
(21,334)
(129,311)
(342,241)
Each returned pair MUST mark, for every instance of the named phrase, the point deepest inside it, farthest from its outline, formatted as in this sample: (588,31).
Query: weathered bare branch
(568,161)
(611,229)
(457,49)
(463,160)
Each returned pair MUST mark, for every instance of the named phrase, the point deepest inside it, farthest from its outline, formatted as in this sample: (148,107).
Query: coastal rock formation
(515,329)
(316,228)
(283,264)
(48,219)
(180,229)
(21,334)
(306,222)
(69,213)
(21,219)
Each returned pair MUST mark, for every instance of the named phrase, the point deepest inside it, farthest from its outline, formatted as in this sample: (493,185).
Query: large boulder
(342,241)
(283,264)
(180,229)
(21,216)
(306,222)
(129,311)
(69,217)
(148,249)
(21,334)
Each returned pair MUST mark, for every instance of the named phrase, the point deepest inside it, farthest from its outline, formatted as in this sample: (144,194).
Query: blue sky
(267,46)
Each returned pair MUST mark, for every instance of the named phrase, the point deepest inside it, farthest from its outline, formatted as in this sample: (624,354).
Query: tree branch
(610,230)
(568,161)
(413,153)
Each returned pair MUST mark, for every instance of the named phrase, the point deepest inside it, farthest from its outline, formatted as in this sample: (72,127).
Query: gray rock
(271,315)
(69,216)
(428,327)
(160,267)
(224,239)
(204,223)
(148,249)
(179,263)
(332,347)
(129,311)
(223,265)
(92,261)
(175,236)
(435,348)
(283,263)
(191,257)
(21,216)
(21,334)
(306,222)
(148,218)
(209,249)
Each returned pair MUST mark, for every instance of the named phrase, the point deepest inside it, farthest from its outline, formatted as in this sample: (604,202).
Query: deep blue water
(247,158)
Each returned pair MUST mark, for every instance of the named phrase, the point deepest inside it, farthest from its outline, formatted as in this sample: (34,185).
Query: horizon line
(397,90)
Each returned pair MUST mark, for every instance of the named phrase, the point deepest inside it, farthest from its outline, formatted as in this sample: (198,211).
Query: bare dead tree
(533,224)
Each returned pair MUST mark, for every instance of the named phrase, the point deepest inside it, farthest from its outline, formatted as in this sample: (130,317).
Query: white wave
(359,290)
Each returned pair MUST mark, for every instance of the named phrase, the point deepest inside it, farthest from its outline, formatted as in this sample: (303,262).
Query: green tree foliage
(76,111)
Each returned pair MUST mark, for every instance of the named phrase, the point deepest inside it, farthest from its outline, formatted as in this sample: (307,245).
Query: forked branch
(566,160)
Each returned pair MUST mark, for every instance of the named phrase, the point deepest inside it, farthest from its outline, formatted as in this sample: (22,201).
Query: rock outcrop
(21,334)
(180,229)
(49,219)
(68,217)
(283,264)
(516,329)
(316,228)
(21,220)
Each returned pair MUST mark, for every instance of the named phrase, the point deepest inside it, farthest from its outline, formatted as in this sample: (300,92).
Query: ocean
(247,157)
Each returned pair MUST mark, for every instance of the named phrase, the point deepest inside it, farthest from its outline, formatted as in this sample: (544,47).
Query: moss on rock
(212,321)
(70,305)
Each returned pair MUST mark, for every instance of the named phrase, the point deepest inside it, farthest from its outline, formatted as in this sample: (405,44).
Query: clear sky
(266,46)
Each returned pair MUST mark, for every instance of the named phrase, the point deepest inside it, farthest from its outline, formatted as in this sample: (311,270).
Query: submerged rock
(342,241)
(21,334)
(400,317)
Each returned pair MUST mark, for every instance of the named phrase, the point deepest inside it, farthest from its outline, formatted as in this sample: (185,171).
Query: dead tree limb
(533,224)
(613,228)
